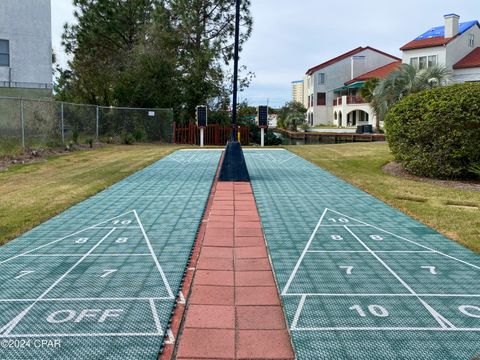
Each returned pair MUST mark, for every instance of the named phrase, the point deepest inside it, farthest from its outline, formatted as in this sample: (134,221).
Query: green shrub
(139,134)
(75,135)
(476,169)
(436,133)
(89,142)
(127,138)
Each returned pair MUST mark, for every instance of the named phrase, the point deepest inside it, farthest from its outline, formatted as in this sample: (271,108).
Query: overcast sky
(290,36)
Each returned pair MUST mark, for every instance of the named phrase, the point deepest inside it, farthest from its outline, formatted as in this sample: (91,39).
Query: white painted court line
(365,251)
(63,238)
(172,158)
(444,323)
(89,299)
(410,241)
(298,312)
(274,160)
(341,225)
(76,255)
(284,161)
(203,150)
(309,196)
(181,161)
(181,299)
(383,295)
(300,259)
(386,329)
(264,149)
(153,197)
(155,259)
(171,338)
(155,317)
(116,227)
(79,335)
(5,330)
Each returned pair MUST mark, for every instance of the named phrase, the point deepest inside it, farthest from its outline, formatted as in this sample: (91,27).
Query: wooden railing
(350,100)
(355,100)
(215,135)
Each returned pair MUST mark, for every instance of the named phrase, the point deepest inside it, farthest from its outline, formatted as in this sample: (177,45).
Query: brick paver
(233,311)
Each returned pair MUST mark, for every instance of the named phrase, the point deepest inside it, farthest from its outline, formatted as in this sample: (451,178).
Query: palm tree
(367,92)
(406,80)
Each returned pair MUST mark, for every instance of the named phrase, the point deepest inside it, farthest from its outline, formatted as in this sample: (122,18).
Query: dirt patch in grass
(396,169)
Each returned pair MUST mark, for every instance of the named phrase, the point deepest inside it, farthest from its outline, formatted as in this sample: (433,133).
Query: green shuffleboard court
(100,280)
(359,279)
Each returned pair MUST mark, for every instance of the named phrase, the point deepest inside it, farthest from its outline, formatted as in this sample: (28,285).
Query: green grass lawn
(31,194)
(360,164)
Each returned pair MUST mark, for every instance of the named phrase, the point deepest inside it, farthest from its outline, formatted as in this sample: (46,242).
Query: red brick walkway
(233,311)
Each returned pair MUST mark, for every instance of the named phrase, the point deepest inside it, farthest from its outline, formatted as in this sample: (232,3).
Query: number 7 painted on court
(433,269)
(347,268)
(107,272)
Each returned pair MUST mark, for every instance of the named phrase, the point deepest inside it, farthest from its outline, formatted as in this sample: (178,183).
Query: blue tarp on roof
(439,31)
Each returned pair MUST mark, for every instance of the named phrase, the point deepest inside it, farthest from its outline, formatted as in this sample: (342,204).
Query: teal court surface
(100,280)
(359,279)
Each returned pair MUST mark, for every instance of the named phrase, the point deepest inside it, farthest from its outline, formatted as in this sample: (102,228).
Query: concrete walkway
(233,311)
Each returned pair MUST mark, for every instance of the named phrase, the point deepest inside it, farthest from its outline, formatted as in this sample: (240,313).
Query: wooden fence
(215,135)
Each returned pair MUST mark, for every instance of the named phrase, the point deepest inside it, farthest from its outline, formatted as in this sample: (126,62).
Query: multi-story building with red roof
(332,87)
(455,45)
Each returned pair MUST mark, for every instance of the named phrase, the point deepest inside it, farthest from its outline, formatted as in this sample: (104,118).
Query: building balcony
(348,100)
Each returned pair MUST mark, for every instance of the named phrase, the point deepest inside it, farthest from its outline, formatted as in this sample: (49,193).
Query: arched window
(335,115)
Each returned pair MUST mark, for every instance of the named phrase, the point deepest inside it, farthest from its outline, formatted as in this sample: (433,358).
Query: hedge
(436,133)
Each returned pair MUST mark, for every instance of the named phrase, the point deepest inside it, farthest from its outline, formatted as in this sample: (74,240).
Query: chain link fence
(32,123)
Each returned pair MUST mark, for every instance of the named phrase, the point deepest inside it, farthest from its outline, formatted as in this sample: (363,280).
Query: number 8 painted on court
(121,240)
(342,220)
(337,237)
(376,237)
(81,240)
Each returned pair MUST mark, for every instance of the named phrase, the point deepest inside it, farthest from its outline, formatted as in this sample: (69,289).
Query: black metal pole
(235,70)
(234,167)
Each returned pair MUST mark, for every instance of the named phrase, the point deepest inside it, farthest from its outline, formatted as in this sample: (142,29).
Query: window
(471,40)
(4,53)
(321,99)
(321,79)
(422,62)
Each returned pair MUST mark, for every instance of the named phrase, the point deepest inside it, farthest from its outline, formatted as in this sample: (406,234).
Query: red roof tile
(345,56)
(379,73)
(426,43)
(472,60)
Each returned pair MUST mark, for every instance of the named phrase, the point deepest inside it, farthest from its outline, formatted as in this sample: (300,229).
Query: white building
(297,91)
(454,45)
(349,108)
(25,46)
(331,96)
